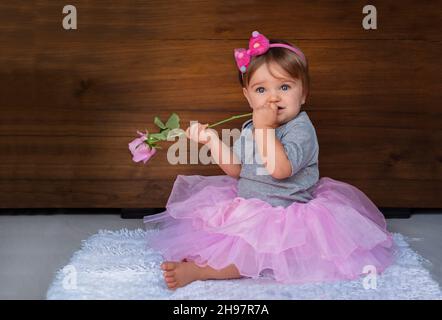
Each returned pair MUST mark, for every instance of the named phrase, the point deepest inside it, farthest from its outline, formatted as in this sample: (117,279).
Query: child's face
(285,91)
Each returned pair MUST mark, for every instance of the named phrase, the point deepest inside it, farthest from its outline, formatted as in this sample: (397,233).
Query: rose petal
(135,143)
(143,153)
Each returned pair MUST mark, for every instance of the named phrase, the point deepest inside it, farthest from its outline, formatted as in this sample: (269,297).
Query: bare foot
(179,274)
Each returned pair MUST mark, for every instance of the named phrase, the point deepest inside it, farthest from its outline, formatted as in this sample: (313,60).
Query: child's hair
(286,59)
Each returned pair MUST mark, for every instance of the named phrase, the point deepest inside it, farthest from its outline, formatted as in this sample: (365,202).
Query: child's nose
(274,98)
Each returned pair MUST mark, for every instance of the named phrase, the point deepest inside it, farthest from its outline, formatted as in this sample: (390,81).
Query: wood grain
(71,101)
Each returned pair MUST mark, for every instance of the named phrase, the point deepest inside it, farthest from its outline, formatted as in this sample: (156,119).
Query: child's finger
(203,132)
(203,127)
(273,106)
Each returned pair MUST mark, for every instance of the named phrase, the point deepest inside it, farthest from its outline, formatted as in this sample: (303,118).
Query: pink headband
(258,45)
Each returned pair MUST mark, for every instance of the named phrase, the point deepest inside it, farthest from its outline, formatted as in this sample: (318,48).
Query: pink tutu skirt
(332,237)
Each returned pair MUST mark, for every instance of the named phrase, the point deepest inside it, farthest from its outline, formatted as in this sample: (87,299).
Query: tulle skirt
(334,236)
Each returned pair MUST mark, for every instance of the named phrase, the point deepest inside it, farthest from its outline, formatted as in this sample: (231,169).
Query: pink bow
(259,44)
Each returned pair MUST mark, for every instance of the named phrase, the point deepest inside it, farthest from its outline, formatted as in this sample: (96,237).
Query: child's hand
(265,116)
(199,133)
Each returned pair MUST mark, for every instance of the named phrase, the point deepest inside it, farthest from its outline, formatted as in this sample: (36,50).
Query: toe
(168,266)
(170,279)
(169,273)
(172,285)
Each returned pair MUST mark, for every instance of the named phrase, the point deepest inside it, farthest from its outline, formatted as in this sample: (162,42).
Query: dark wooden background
(71,101)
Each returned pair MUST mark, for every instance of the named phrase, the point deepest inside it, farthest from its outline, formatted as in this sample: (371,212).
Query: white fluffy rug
(116,265)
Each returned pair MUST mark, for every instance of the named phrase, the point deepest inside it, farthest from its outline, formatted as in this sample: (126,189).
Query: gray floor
(33,248)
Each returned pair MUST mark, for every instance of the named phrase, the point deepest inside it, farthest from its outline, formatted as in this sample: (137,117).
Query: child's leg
(179,274)
(229,272)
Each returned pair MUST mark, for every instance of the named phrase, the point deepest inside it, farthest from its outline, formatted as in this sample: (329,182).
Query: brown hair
(286,59)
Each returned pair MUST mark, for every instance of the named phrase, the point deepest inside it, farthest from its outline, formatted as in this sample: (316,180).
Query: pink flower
(140,150)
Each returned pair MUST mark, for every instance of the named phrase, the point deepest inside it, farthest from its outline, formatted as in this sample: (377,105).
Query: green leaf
(173,122)
(165,132)
(159,123)
(157,136)
(175,133)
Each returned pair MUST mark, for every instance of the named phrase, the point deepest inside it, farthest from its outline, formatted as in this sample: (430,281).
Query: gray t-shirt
(298,137)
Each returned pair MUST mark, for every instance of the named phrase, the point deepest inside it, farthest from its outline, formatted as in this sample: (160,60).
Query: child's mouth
(280,108)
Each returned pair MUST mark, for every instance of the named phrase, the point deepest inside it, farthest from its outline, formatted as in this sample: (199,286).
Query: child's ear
(246,94)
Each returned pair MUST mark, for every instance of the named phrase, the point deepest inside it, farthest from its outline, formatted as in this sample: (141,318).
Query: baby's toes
(168,266)
(170,279)
(172,285)
(169,274)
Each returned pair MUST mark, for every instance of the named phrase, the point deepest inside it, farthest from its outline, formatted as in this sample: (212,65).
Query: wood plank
(349,76)
(87,193)
(16,122)
(140,171)
(154,193)
(356,145)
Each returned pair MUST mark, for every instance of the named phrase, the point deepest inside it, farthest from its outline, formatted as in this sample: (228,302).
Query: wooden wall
(71,101)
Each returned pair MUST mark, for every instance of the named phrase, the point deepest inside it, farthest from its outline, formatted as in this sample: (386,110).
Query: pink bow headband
(258,45)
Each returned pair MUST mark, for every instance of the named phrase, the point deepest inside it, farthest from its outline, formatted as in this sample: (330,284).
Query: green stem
(211,125)
(229,119)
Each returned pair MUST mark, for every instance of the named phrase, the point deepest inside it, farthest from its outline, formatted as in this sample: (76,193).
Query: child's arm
(270,148)
(218,149)
(273,154)
(230,164)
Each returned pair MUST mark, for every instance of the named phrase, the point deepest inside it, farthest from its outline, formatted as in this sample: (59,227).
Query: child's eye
(257,89)
(285,85)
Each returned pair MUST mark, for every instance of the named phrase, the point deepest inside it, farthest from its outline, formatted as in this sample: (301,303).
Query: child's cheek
(258,102)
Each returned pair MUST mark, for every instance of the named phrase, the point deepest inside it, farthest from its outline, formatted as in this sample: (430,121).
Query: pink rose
(140,149)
